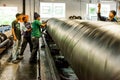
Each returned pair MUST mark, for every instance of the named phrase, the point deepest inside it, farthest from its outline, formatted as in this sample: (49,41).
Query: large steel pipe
(91,48)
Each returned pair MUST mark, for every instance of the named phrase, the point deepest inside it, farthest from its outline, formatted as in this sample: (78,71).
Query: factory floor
(24,70)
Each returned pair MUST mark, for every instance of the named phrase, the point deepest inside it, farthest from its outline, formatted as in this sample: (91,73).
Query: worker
(36,34)
(26,37)
(111,17)
(16,33)
(79,17)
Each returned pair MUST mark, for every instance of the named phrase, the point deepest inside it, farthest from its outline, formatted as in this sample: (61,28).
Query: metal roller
(91,48)
(6,41)
(3,37)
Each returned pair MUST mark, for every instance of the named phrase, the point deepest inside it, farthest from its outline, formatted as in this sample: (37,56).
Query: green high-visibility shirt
(36,30)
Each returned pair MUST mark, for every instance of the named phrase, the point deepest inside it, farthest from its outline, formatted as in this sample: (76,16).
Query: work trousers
(35,43)
(16,49)
(25,40)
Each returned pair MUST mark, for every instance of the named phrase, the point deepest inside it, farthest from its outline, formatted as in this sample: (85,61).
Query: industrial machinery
(91,48)
(5,41)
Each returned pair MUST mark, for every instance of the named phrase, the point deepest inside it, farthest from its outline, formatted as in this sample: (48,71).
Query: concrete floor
(23,70)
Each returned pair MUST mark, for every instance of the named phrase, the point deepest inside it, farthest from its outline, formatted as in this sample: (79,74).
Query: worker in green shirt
(35,34)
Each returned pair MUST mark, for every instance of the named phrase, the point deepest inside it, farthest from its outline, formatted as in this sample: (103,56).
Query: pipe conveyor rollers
(6,41)
(91,48)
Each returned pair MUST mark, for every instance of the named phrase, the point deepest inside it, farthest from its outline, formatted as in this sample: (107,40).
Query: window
(105,9)
(92,11)
(7,15)
(48,10)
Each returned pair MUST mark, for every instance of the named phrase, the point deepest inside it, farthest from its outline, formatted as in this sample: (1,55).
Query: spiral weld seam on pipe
(91,48)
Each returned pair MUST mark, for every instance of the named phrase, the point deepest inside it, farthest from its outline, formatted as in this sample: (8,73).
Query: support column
(24,5)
